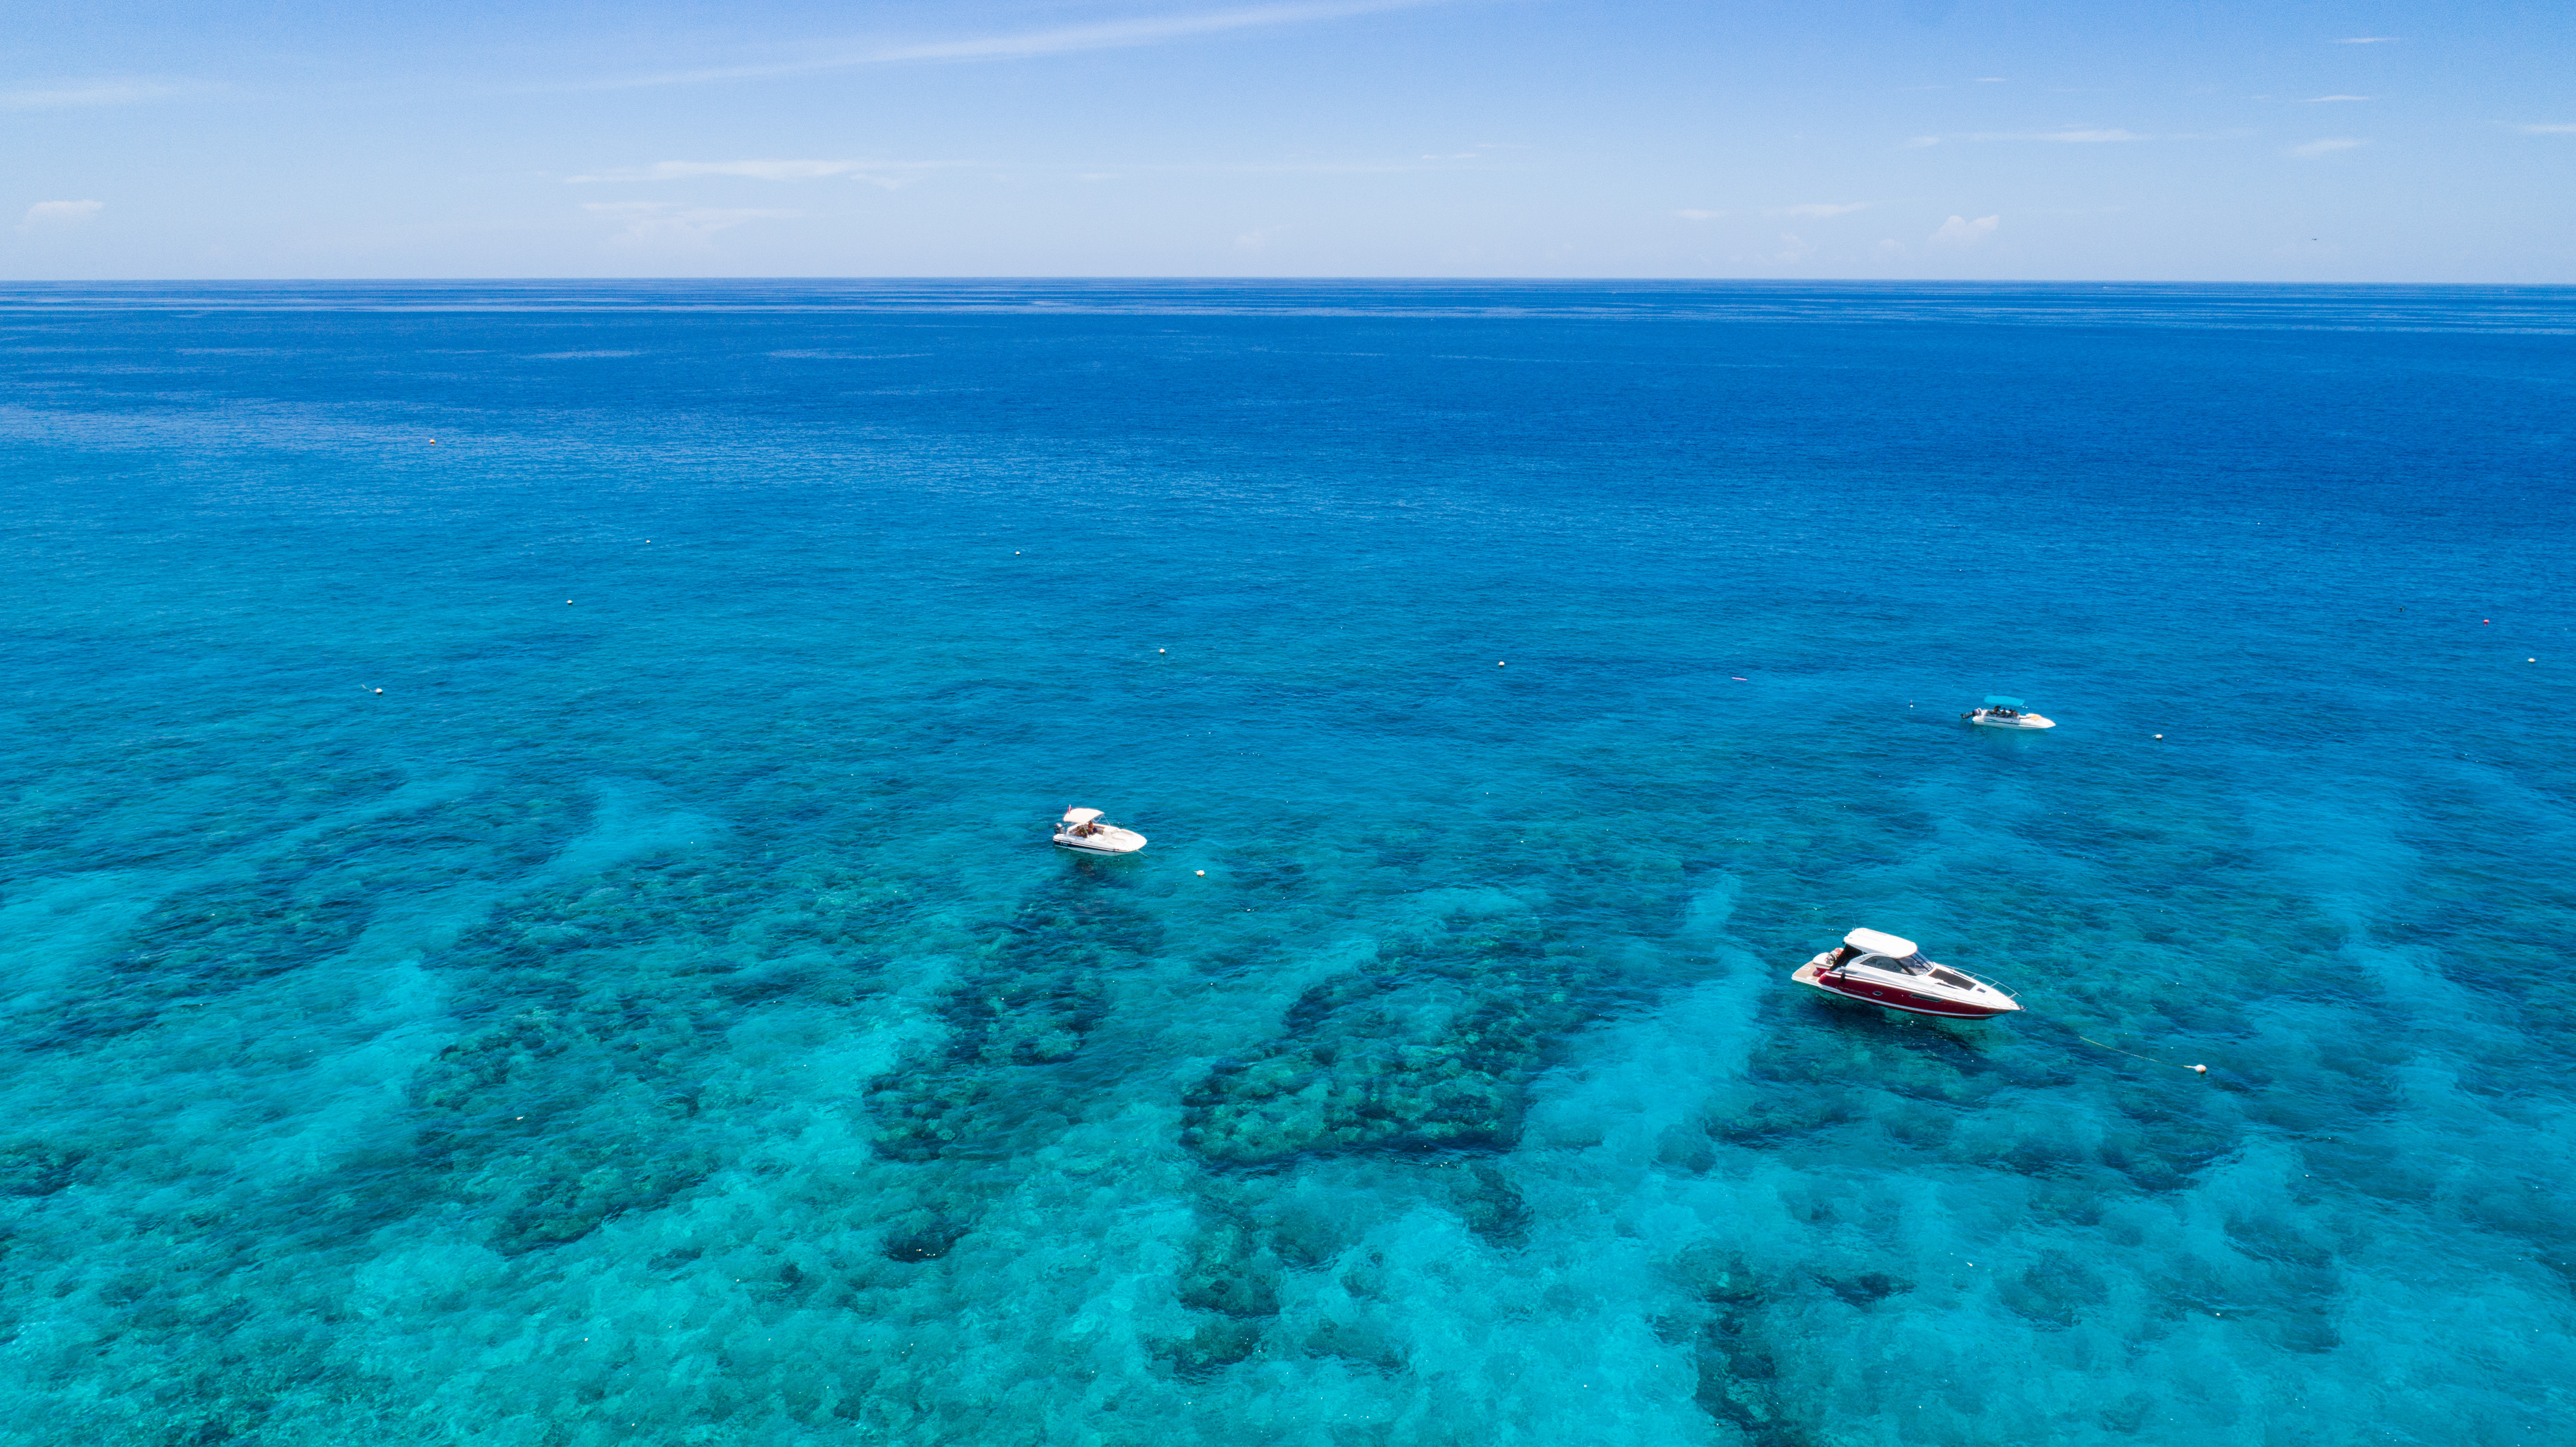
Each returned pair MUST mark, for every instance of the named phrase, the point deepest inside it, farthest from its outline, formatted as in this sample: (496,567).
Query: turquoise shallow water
(657,1015)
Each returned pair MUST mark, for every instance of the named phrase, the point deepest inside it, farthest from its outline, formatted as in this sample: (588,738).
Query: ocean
(529,917)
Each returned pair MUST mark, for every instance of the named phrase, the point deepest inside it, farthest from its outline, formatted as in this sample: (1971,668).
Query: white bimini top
(1871,942)
(1080,816)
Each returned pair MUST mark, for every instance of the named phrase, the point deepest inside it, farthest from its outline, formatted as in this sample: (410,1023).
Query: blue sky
(1893,138)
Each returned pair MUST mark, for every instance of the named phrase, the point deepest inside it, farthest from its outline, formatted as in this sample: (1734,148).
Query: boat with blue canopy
(2000,712)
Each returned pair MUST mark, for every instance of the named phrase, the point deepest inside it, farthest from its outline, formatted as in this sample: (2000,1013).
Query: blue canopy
(1997,700)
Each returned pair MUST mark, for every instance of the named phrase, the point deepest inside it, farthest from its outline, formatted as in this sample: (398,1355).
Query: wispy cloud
(2070,135)
(668,223)
(888,174)
(2325,147)
(1960,231)
(1026,44)
(1810,211)
(2364,40)
(2077,137)
(2551,128)
(67,95)
(48,214)
(2318,100)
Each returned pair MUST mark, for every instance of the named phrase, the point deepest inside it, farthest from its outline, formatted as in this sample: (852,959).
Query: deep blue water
(657,1016)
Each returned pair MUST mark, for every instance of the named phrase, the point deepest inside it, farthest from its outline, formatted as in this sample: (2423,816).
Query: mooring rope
(2151,1060)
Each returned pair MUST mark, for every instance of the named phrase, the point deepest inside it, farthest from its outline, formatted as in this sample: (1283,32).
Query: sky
(1969,139)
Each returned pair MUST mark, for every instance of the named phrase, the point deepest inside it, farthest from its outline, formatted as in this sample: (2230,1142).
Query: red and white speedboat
(1881,969)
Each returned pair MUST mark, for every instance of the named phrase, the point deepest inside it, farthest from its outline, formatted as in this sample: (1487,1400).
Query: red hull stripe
(1914,1004)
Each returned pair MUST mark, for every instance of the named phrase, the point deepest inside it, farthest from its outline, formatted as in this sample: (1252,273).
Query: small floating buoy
(1498,665)
(2160,736)
(380,690)
(1202,874)
(567,602)
(2201,1069)
(1162,650)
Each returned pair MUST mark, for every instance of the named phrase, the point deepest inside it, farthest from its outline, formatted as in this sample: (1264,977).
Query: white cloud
(2364,40)
(668,223)
(888,174)
(2326,146)
(66,94)
(1960,231)
(1990,80)
(1699,215)
(1819,210)
(2318,100)
(1058,40)
(2073,135)
(1793,247)
(48,214)
(2551,129)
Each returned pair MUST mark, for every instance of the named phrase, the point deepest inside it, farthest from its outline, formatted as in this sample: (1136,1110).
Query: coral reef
(1030,998)
(1430,1045)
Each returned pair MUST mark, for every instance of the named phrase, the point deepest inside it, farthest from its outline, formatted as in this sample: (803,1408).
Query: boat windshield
(1913,964)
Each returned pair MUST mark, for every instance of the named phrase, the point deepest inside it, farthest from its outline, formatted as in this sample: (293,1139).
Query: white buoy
(380,690)
(2203,1069)
(2160,736)
(1162,650)
(1202,874)
(1499,665)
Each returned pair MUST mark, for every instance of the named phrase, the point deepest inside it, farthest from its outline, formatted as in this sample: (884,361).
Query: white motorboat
(1881,969)
(1999,712)
(1085,830)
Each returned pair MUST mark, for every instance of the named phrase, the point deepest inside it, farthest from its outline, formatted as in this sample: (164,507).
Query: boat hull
(1112,841)
(1872,992)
